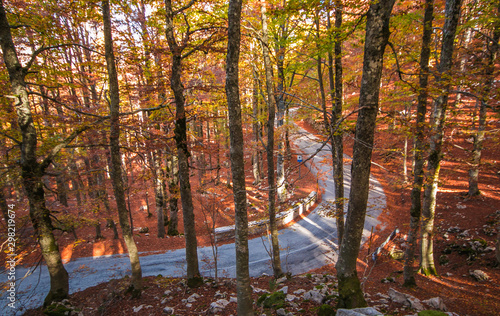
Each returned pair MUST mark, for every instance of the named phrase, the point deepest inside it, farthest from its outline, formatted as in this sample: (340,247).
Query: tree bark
(244,291)
(452,12)
(180,135)
(173,189)
(481,125)
(115,163)
(32,171)
(160,200)
(418,167)
(376,38)
(256,128)
(275,255)
(337,138)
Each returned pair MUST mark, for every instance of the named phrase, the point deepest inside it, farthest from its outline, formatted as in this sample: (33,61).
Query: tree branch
(11,138)
(44,48)
(53,153)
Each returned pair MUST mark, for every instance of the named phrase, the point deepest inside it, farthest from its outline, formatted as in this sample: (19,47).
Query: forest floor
(460,222)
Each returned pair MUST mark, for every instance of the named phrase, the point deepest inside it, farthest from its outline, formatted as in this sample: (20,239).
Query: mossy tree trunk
(376,38)
(32,170)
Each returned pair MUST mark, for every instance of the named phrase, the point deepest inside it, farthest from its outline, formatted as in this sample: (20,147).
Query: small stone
(193,298)
(314,296)
(300,291)
(188,305)
(137,309)
(281,280)
(284,289)
(479,275)
(290,297)
(168,310)
(258,290)
(281,312)
(436,303)
(233,299)
(367,311)
(167,292)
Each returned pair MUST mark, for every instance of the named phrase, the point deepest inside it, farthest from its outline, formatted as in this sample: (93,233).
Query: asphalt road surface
(308,244)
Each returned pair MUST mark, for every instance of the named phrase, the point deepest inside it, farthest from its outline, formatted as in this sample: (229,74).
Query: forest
(207,129)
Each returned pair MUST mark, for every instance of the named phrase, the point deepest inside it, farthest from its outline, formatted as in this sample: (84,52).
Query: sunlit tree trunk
(256,153)
(452,12)
(32,170)
(376,38)
(244,291)
(116,163)
(481,124)
(418,167)
(173,189)
(275,251)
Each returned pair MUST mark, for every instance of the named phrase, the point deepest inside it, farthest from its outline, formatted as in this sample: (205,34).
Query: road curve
(307,244)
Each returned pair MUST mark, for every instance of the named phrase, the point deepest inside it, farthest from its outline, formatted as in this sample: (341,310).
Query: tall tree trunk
(336,90)
(180,131)
(452,12)
(481,125)
(376,38)
(418,167)
(244,291)
(116,164)
(32,170)
(276,260)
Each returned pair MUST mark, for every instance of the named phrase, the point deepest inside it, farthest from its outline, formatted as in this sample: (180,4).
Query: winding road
(308,244)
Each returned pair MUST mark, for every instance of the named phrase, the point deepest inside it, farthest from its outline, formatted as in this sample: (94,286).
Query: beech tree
(114,143)
(271,106)
(376,38)
(244,291)
(438,118)
(418,167)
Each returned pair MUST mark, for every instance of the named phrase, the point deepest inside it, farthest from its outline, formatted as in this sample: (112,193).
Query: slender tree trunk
(256,153)
(376,38)
(281,186)
(337,139)
(452,12)
(479,136)
(31,170)
(173,188)
(115,165)
(159,193)
(180,131)
(418,168)
(276,260)
(244,291)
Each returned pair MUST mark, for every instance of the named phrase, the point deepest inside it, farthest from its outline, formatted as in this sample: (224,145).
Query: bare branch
(44,48)
(53,153)
(187,6)
(67,106)
(11,138)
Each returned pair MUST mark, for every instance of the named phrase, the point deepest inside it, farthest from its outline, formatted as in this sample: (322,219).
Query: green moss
(350,293)
(275,300)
